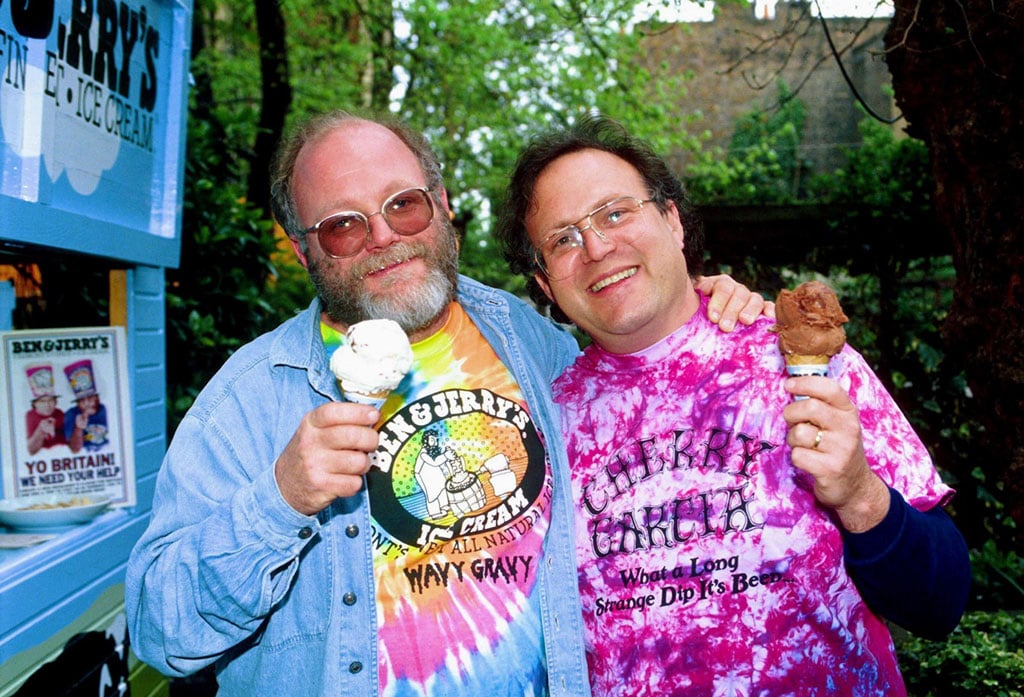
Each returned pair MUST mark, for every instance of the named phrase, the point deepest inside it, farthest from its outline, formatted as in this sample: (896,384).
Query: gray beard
(346,302)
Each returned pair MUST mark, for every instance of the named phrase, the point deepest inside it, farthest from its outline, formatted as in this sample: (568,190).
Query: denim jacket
(228,573)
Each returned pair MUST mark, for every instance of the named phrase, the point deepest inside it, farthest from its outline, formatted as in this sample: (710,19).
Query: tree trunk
(202,104)
(958,74)
(379,22)
(276,99)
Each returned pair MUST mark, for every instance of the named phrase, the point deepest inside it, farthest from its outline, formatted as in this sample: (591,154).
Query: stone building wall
(738,59)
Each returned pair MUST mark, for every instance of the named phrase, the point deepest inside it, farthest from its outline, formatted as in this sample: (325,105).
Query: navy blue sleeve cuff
(912,568)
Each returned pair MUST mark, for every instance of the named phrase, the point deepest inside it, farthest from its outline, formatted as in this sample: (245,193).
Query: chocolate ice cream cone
(809,322)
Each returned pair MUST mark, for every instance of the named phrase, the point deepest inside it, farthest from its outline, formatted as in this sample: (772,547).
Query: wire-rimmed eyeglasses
(559,251)
(344,233)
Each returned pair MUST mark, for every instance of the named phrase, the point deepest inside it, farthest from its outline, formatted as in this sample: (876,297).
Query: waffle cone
(806,359)
(374,399)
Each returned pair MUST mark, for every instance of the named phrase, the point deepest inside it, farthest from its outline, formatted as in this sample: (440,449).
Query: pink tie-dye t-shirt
(459,492)
(706,566)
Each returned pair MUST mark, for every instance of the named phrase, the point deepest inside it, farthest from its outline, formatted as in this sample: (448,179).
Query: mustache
(395,254)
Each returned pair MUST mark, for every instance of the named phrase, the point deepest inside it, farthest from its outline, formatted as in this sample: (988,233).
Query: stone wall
(738,59)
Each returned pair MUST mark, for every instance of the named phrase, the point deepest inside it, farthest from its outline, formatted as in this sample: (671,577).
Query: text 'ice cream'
(809,322)
(375,357)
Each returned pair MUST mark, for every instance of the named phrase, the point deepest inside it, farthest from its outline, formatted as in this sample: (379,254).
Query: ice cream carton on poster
(66,419)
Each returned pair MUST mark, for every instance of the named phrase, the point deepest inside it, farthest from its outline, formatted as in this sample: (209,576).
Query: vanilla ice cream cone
(373,360)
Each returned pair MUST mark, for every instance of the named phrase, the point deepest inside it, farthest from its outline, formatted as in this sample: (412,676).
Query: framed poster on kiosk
(68,415)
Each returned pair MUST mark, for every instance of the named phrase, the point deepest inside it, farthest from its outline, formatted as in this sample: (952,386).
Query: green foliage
(887,179)
(983,656)
(216,299)
(479,94)
(763,164)
(998,577)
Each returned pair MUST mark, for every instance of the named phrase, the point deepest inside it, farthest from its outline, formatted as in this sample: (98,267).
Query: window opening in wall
(56,291)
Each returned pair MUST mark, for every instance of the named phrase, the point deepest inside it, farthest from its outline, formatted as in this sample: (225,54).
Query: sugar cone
(801,364)
(374,399)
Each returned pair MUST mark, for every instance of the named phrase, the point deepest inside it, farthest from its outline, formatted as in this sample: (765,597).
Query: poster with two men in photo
(65,420)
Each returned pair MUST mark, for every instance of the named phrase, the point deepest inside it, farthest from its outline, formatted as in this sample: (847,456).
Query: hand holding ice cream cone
(825,429)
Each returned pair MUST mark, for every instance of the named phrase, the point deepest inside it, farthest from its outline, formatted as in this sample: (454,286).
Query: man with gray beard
(291,544)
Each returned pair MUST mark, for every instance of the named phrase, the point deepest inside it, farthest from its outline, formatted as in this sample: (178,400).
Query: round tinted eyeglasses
(344,234)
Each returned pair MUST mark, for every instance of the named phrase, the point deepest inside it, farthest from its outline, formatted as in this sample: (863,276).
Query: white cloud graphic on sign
(67,128)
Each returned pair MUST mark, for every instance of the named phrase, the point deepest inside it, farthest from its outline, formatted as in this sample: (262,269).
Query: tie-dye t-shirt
(459,498)
(706,566)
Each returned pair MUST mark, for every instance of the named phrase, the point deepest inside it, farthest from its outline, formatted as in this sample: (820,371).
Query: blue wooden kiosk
(92,137)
